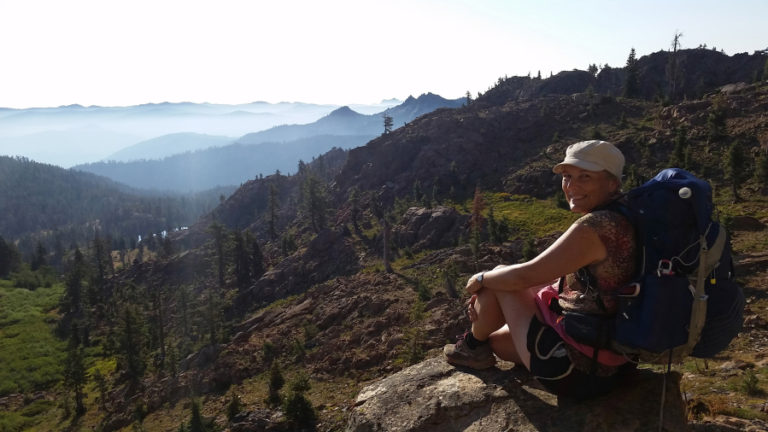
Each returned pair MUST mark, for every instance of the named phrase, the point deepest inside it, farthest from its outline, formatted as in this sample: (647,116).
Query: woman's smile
(586,189)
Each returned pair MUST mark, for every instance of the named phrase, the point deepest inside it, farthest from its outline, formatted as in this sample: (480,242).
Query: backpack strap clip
(664,268)
(629,290)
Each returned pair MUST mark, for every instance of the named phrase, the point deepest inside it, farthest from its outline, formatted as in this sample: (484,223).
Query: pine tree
(274,207)
(183,308)
(276,382)
(217,230)
(765,71)
(631,83)
(435,194)
(234,407)
(256,257)
(196,423)
(761,168)
(241,259)
(160,325)
(298,409)
(386,239)
(674,68)
(493,227)
(529,249)
(72,305)
(449,281)
(212,317)
(716,120)
(388,122)
(315,202)
(75,375)
(131,342)
(101,260)
(354,208)
(74,284)
(681,144)
(38,259)
(101,385)
(167,247)
(476,223)
(736,168)
(9,258)
(498,230)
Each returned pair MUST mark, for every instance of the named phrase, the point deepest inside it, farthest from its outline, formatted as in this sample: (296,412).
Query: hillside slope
(324,307)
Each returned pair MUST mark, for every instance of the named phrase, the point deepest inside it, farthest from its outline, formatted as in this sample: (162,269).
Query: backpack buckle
(664,268)
(630,290)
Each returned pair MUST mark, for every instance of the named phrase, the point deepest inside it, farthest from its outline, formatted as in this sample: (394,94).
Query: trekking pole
(664,392)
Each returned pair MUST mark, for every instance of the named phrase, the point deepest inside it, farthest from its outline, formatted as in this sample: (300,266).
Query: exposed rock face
(327,256)
(435,396)
(435,228)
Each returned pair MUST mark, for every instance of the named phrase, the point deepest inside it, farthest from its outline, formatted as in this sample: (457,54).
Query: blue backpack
(685,300)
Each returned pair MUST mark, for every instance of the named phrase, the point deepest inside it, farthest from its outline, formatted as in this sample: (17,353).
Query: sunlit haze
(118,53)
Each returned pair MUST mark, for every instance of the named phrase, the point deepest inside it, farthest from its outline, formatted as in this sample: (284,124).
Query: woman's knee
(521,304)
(503,345)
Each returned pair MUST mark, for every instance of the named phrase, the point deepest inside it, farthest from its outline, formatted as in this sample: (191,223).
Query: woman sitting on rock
(516,310)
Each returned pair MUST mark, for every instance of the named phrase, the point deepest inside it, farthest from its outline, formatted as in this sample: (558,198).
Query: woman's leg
(503,319)
(488,316)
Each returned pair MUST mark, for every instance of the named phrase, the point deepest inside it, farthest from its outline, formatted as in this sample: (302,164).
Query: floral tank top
(595,294)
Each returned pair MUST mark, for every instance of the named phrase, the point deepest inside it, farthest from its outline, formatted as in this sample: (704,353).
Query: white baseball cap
(593,155)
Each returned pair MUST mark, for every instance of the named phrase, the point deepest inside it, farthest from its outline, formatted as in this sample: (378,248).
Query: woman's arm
(576,248)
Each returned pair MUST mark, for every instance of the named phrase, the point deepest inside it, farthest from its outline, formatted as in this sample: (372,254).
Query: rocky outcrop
(435,396)
(328,255)
(434,228)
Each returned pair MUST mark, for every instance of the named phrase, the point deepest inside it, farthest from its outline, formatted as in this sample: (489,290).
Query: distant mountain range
(167,145)
(345,121)
(75,134)
(229,165)
(260,153)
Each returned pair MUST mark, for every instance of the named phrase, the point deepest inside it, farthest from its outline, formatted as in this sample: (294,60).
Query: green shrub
(750,383)
(423,292)
(37,407)
(413,352)
(11,421)
(276,382)
(26,278)
(31,357)
(310,331)
(234,407)
(268,352)
(299,410)
(529,249)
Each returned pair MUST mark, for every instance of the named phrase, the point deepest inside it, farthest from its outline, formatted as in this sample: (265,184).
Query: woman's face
(586,190)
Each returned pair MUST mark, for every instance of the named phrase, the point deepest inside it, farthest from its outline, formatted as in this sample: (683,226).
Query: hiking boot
(459,354)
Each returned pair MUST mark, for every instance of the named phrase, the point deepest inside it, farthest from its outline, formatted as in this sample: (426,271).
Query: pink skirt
(549,294)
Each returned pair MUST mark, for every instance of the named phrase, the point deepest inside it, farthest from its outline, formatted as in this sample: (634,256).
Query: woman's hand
(471,312)
(475,283)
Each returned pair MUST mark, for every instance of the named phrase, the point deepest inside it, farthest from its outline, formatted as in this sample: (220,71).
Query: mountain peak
(344,111)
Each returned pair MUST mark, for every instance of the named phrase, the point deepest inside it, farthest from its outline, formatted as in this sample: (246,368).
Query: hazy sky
(119,52)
